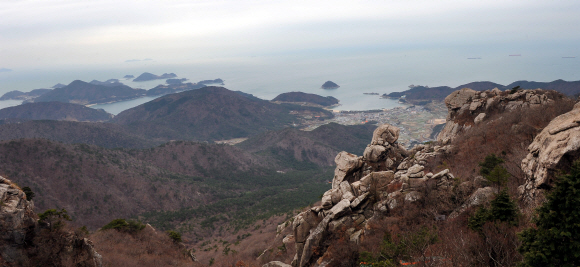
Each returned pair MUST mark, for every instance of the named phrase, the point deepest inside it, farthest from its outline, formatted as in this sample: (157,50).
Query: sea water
(268,76)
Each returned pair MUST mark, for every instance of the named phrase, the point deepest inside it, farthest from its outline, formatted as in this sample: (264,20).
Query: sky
(57,33)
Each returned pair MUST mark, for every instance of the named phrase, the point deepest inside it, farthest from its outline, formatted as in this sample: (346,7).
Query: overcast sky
(79,32)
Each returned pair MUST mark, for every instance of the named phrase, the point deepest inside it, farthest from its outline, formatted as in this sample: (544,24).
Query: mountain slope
(54,111)
(210,113)
(319,146)
(100,134)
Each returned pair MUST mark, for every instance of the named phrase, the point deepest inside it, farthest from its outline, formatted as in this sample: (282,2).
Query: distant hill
(304,97)
(319,146)
(423,94)
(209,113)
(175,81)
(18,95)
(80,92)
(54,111)
(100,134)
(146,76)
(329,85)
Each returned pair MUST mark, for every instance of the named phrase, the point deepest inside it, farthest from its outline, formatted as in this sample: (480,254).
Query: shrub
(53,218)
(175,236)
(28,192)
(124,226)
(554,241)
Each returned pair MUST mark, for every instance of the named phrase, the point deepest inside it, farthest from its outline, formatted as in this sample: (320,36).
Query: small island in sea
(146,76)
(329,85)
(128,76)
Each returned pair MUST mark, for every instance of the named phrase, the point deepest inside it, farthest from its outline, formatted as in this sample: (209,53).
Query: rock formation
(19,226)
(553,149)
(364,188)
(468,107)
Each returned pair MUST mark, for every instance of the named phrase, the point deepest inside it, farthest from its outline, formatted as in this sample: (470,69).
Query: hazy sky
(79,32)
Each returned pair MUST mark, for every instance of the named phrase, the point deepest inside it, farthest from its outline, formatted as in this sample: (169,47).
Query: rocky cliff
(25,242)
(365,189)
(468,107)
(369,188)
(553,150)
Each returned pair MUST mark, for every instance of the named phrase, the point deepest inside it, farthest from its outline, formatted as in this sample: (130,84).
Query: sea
(268,76)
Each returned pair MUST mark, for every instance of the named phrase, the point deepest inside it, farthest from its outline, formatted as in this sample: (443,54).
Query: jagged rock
(474,105)
(341,208)
(385,134)
(288,239)
(415,169)
(459,98)
(478,198)
(440,174)
(346,164)
(314,238)
(358,200)
(556,147)
(18,221)
(276,264)
(496,91)
(479,118)
(373,153)
(413,196)
(355,237)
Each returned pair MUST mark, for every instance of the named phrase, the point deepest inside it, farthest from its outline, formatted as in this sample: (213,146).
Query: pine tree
(555,241)
(503,208)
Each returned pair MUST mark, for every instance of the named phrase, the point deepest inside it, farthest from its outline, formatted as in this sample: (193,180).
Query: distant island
(329,85)
(421,95)
(300,97)
(84,93)
(109,82)
(128,76)
(18,95)
(216,81)
(146,76)
(58,85)
(175,81)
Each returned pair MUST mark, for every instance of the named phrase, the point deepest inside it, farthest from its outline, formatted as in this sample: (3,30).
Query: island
(216,81)
(84,93)
(175,81)
(421,95)
(329,85)
(300,97)
(146,76)
(109,82)
(128,76)
(18,95)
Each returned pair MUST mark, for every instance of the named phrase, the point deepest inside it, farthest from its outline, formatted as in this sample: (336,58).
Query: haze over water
(268,76)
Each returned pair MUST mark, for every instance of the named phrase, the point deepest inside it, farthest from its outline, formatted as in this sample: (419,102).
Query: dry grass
(147,247)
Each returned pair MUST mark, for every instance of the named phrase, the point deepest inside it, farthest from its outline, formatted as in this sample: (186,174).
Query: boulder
(459,98)
(340,209)
(373,153)
(478,198)
(346,164)
(385,134)
(479,118)
(415,169)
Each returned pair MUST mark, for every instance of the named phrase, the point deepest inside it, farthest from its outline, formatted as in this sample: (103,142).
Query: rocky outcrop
(365,188)
(553,149)
(19,226)
(468,107)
